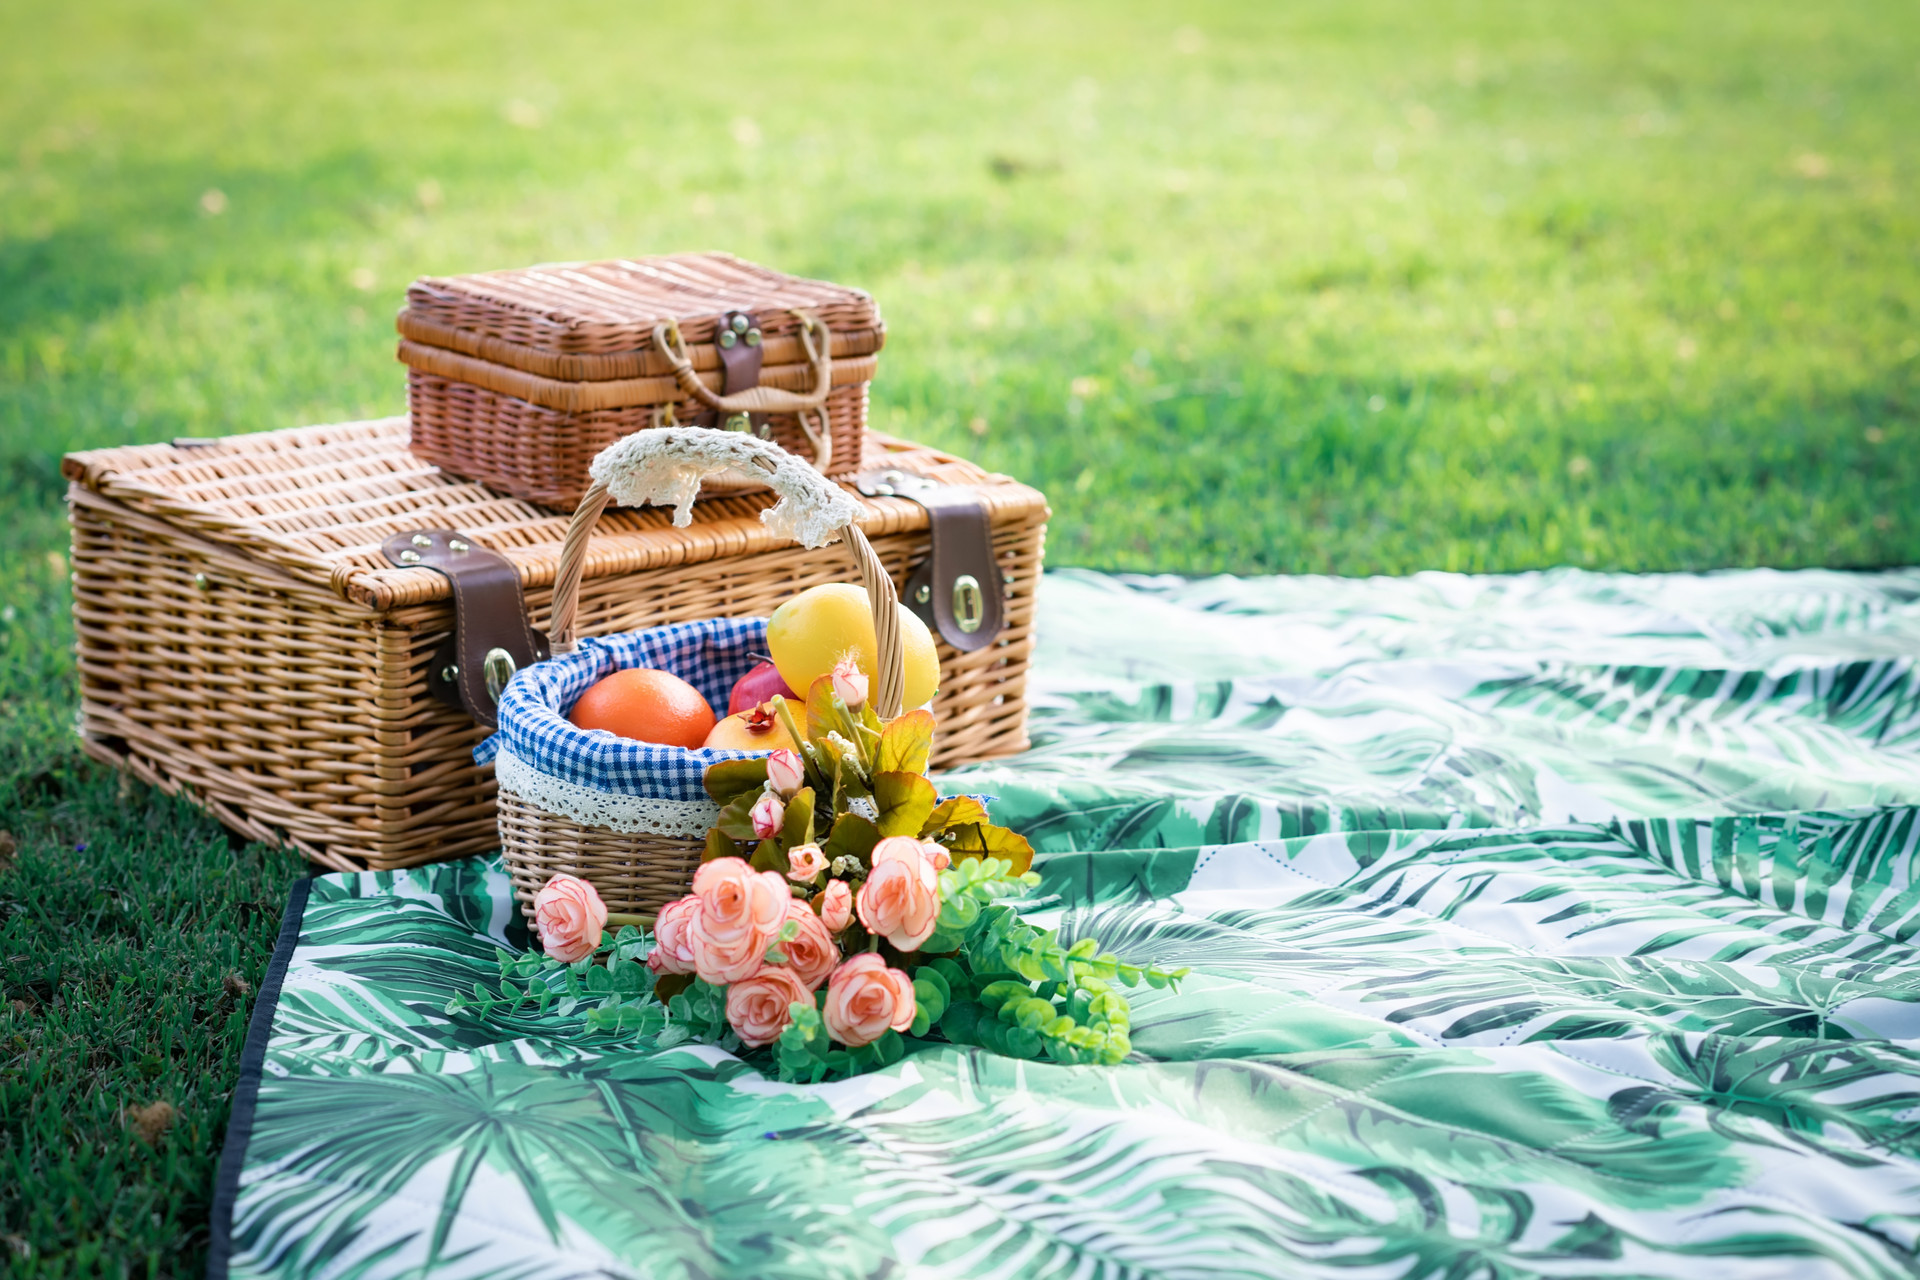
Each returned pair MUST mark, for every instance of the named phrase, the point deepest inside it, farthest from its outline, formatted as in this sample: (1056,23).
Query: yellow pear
(811,632)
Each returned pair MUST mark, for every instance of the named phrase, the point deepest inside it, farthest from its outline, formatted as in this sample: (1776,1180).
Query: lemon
(811,632)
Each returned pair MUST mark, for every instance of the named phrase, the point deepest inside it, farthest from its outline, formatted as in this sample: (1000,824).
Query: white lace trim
(665,467)
(589,807)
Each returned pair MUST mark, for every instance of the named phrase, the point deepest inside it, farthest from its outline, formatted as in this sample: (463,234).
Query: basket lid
(316,503)
(612,306)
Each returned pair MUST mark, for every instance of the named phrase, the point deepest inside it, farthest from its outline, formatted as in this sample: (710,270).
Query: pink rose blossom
(759,1008)
(767,815)
(741,911)
(850,682)
(810,952)
(672,949)
(805,862)
(570,917)
(836,909)
(785,772)
(864,998)
(896,849)
(901,897)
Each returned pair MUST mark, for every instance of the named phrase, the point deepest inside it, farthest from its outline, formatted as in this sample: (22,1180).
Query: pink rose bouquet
(842,907)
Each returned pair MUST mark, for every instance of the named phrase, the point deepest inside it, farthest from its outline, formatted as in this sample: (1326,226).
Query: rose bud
(785,772)
(850,683)
(767,815)
(836,908)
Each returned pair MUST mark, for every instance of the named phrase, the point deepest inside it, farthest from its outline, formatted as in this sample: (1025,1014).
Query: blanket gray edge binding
(246,1094)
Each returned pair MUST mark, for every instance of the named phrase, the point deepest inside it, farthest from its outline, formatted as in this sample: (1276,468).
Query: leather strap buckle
(491,639)
(737,338)
(957,590)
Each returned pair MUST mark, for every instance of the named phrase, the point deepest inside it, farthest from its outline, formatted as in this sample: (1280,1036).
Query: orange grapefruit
(648,706)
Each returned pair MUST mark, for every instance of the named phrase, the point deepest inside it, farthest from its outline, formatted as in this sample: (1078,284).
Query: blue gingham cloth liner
(708,655)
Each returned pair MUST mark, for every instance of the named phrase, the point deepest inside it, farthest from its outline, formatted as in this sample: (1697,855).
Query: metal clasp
(969,603)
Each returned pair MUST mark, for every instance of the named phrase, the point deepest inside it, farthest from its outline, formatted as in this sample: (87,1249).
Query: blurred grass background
(1354,287)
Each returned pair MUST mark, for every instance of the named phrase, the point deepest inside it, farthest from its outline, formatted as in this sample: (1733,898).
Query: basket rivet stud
(753,337)
(726,338)
(450,673)
(741,324)
(203,582)
(409,556)
(456,546)
(422,540)
(924,594)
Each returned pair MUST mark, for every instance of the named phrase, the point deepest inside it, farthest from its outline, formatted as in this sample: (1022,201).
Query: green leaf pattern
(1549,925)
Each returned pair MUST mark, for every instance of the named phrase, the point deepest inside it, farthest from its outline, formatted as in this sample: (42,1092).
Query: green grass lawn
(1353,287)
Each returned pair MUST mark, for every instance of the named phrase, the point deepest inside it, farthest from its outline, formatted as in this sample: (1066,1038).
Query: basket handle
(666,466)
(669,342)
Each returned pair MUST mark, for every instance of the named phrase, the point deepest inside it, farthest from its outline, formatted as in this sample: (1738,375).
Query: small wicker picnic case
(255,629)
(629,817)
(518,378)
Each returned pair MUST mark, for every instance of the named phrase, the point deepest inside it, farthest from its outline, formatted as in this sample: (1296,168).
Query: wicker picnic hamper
(247,637)
(629,817)
(518,378)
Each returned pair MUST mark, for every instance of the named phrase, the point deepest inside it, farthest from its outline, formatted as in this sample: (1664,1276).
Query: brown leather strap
(739,358)
(957,590)
(489,612)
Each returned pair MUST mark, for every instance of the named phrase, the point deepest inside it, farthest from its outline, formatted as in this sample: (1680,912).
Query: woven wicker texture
(632,873)
(243,640)
(611,307)
(518,378)
(542,454)
(567,367)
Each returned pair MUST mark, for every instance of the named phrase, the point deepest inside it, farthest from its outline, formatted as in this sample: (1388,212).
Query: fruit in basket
(755,729)
(811,632)
(756,688)
(647,706)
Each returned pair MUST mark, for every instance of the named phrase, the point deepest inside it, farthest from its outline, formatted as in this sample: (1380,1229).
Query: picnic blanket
(1554,924)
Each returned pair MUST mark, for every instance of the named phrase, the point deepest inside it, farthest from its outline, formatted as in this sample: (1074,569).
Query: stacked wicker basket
(518,378)
(256,631)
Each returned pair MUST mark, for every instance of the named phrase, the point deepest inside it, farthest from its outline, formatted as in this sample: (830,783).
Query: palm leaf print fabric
(1547,925)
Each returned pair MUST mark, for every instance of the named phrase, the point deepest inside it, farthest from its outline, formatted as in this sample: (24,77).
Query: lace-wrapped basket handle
(665,467)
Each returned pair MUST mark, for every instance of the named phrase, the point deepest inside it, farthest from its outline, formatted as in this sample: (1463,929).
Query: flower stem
(781,709)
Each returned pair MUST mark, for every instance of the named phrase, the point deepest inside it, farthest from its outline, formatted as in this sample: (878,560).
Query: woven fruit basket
(630,817)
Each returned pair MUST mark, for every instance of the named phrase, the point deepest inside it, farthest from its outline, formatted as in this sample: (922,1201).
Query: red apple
(757,687)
